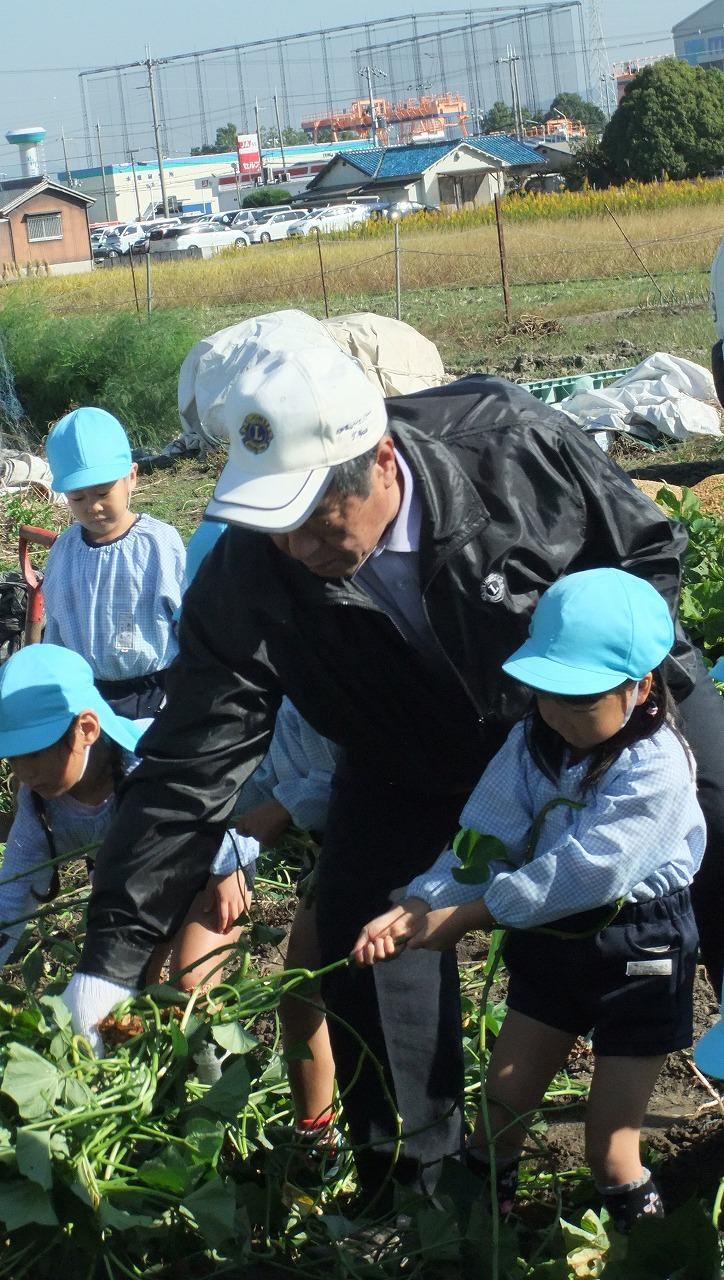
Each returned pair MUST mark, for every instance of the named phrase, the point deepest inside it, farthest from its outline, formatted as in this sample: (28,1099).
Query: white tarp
(393,355)
(663,396)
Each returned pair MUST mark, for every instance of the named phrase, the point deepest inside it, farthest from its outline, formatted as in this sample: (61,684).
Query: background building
(44,224)
(699,39)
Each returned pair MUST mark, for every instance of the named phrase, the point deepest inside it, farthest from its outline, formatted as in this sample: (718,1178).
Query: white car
(199,242)
(274,226)
(339,218)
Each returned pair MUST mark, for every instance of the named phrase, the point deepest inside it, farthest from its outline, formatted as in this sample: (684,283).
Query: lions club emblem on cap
(256,433)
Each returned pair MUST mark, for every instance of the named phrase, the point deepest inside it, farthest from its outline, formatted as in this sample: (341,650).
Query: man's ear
(87,728)
(386,461)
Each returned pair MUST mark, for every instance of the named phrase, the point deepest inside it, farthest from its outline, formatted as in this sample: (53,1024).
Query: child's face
(102,509)
(55,770)
(585,723)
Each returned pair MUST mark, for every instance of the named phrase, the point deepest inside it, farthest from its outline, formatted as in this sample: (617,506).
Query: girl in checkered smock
(113,579)
(592,834)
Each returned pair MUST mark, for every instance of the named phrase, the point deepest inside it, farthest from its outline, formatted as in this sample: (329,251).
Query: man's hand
(266,823)
(382,937)
(229,897)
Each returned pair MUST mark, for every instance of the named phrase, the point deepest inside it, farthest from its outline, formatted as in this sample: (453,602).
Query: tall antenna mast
(599,62)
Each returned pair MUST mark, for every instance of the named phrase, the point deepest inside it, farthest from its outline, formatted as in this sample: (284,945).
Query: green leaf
(266,933)
(31,1082)
(25,1202)
(211,1208)
(299,1052)
(204,1139)
(439,1235)
(233,1037)
(58,1009)
(33,1156)
(476,851)
(178,1040)
(228,1096)
(120,1220)
(167,1171)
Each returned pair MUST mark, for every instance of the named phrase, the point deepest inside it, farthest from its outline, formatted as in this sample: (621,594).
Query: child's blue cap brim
(709,1052)
(42,689)
(87,477)
(553,677)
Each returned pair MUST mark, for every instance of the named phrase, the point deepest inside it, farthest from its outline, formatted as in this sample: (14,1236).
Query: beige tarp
(392,354)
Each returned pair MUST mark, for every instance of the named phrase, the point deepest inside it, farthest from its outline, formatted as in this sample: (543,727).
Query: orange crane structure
(415,118)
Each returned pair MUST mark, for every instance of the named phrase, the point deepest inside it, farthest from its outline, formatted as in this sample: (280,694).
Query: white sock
(89,999)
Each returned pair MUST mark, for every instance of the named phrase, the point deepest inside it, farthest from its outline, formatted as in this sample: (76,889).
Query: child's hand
(266,823)
(382,937)
(229,897)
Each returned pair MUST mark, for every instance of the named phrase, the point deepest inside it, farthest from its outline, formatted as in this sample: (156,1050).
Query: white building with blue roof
(453,174)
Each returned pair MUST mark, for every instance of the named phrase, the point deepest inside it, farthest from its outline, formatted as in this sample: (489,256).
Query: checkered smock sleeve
(639,834)
(297,771)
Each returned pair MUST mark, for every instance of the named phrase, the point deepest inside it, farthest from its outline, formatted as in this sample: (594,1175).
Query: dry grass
(669,241)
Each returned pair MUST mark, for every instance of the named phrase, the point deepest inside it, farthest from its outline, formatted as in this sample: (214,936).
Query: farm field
(133,1167)
(185,1183)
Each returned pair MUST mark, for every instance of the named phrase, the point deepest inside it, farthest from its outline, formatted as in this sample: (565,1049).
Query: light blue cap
(591,631)
(87,447)
(709,1052)
(43,687)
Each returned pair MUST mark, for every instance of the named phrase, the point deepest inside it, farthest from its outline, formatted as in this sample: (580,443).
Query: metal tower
(598,60)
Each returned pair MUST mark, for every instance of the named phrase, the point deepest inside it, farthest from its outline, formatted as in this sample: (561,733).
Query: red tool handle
(30,535)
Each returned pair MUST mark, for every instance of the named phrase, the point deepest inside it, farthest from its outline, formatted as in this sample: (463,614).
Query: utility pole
(368,72)
(103,171)
(235,168)
(65,156)
(281,140)
(149,64)
(511,57)
(258,138)
(132,154)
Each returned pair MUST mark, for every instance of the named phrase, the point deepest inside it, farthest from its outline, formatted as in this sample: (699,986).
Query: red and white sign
(247,148)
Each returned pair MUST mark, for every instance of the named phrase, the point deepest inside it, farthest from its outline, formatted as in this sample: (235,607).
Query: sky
(45,44)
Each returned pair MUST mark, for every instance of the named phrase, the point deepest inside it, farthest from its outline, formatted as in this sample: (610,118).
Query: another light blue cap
(709,1052)
(591,631)
(87,447)
(43,688)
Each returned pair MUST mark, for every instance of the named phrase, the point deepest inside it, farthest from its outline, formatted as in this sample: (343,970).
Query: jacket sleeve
(173,809)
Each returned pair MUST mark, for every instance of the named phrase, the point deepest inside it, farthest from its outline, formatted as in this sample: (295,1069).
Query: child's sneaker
(314,1162)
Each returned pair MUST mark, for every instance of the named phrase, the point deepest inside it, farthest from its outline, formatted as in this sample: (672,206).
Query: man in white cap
(382,561)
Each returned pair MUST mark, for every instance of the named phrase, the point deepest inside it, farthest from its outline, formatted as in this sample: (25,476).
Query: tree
(668,123)
(263,197)
(344,135)
(499,119)
(225,141)
(576,108)
(290,137)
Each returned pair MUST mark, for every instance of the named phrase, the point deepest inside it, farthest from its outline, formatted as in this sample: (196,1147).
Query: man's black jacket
(512,497)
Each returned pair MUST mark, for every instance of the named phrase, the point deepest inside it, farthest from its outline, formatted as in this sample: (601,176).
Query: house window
(44,226)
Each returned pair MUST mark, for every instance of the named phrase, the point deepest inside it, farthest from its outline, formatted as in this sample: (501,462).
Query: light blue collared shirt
(639,835)
(391,573)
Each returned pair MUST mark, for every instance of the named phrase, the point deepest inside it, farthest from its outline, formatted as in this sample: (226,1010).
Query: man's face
(341,532)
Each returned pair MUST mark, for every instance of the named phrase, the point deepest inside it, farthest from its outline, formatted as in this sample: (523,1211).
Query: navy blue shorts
(631,981)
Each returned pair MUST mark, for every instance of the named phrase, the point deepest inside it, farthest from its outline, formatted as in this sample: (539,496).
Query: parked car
(190,242)
(401,208)
(338,218)
(247,217)
(123,238)
(273,227)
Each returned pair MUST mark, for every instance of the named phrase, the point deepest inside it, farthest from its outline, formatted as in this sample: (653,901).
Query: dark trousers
(407,1012)
(701,719)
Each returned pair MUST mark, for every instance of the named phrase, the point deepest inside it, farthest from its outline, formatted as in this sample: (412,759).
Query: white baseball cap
(293,407)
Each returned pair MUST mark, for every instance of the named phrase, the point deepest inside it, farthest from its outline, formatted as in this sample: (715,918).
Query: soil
(684,1128)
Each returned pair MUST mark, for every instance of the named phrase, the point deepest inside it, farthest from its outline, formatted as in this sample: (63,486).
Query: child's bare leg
(311,1080)
(196,938)
(617,1103)
(526,1056)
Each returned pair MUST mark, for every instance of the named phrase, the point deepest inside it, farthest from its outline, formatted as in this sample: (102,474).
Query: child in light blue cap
(70,751)
(593,802)
(113,579)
